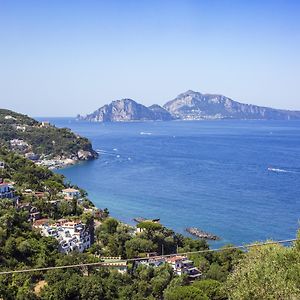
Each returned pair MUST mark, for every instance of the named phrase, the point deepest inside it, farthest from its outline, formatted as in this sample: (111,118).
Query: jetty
(202,234)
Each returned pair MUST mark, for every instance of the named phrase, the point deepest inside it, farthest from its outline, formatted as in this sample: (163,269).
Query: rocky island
(187,106)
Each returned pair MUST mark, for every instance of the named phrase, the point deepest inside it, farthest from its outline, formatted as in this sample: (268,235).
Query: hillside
(38,140)
(187,106)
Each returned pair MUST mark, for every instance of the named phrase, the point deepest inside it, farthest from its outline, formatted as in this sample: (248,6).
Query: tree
(184,293)
(266,272)
(211,288)
(110,225)
(149,227)
(135,246)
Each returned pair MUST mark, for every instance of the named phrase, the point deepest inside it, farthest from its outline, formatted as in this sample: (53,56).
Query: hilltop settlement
(46,222)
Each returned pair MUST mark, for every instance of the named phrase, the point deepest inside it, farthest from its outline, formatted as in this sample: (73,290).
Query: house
(6,190)
(45,124)
(18,144)
(21,128)
(181,265)
(32,156)
(71,193)
(71,235)
(8,117)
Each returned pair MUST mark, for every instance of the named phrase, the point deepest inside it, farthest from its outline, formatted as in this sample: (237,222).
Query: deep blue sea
(209,174)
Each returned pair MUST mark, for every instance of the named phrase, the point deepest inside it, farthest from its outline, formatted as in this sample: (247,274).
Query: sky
(62,58)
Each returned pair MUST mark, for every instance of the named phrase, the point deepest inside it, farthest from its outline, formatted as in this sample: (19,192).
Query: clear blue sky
(60,58)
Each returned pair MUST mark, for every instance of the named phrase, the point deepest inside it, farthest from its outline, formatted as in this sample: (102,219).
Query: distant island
(42,142)
(187,106)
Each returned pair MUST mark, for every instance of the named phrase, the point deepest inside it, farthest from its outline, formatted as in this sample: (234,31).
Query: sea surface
(237,179)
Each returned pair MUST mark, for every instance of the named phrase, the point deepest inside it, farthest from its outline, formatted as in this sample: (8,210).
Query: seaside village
(25,149)
(74,235)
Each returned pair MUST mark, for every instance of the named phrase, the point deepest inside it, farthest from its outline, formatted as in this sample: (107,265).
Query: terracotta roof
(175,258)
(40,222)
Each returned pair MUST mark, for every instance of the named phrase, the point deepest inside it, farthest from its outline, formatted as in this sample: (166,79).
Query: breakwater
(202,234)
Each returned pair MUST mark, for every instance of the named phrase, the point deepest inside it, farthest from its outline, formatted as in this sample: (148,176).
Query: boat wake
(277,170)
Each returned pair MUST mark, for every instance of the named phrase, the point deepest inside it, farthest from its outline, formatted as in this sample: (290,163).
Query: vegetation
(265,272)
(47,140)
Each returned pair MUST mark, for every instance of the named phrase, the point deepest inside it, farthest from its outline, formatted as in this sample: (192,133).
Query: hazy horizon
(67,58)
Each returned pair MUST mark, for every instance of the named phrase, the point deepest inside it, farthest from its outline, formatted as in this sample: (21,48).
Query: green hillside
(43,139)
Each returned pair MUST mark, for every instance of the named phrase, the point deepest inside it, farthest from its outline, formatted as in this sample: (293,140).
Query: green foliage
(267,272)
(137,245)
(210,288)
(49,140)
(184,293)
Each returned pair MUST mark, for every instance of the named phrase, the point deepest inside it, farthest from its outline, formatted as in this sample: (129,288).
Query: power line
(103,264)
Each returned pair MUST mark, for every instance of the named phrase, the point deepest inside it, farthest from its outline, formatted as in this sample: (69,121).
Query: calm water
(210,174)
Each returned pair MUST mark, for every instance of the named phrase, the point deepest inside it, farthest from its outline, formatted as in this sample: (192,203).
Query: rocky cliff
(196,106)
(127,110)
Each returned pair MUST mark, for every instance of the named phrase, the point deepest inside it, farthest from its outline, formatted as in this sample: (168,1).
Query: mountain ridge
(189,105)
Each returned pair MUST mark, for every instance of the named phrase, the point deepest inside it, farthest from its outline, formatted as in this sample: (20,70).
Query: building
(180,265)
(71,193)
(19,144)
(45,124)
(72,236)
(6,190)
(32,156)
(8,117)
(2,165)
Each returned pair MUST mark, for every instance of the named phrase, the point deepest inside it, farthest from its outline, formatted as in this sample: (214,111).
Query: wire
(116,264)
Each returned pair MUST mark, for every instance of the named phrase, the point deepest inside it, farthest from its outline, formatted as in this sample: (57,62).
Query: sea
(237,179)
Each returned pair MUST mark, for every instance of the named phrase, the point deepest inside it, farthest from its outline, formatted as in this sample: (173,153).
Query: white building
(181,265)
(71,193)
(18,144)
(72,236)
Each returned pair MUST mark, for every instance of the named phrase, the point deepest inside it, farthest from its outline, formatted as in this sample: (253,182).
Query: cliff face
(127,110)
(196,106)
(187,106)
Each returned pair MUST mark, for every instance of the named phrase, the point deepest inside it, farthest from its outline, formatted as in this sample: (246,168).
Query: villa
(72,236)
(180,265)
(71,193)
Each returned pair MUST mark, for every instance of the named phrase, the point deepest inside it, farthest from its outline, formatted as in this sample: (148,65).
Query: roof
(175,258)
(40,222)
(70,190)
